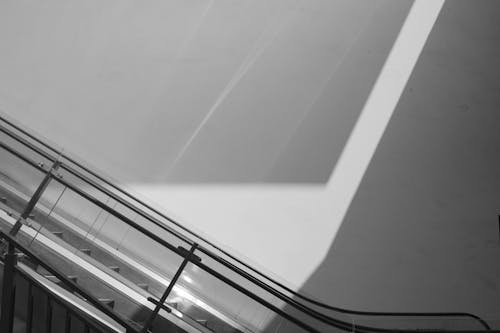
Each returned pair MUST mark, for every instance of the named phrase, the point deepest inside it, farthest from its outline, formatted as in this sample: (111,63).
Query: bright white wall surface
(249,103)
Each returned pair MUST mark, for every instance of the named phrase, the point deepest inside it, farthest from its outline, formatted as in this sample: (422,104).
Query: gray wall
(422,231)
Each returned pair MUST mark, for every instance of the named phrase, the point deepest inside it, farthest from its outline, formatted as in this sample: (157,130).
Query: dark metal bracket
(34,199)
(163,298)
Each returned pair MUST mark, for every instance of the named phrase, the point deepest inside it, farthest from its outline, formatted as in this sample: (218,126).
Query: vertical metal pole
(8,290)
(163,298)
(34,199)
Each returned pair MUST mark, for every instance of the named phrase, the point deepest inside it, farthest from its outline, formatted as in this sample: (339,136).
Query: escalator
(96,247)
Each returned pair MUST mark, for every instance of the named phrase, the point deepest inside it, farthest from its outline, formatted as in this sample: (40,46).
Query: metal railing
(259,285)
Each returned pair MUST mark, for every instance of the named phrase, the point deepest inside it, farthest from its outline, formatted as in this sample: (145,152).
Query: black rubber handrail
(224,262)
(236,269)
(95,185)
(154,210)
(335,322)
(386,314)
(319,316)
(74,287)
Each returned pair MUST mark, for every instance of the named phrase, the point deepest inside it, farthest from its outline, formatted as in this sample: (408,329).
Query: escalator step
(114,268)
(42,271)
(144,286)
(138,325)
(202,322)
(174,305)
(27,261)
(52,278)
(58,234)
(86,251)
(108,302)
(73,278)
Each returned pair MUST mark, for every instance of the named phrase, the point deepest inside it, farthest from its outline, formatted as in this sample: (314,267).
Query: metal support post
(163,298)
(34,199)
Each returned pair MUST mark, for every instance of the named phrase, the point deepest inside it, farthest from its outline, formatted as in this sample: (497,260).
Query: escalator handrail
(312,313)
(219,259)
